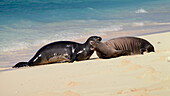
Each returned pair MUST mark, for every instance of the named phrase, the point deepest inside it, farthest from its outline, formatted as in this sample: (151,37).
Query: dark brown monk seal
(122,46)
(62,51)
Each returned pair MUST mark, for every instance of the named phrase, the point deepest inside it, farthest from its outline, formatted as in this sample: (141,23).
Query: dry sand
(137,75)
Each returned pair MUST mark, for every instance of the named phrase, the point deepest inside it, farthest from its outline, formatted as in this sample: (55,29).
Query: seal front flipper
(21,64)
(73,58)
(121,53)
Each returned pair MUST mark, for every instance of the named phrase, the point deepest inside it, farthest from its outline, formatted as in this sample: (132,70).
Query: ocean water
(28,23)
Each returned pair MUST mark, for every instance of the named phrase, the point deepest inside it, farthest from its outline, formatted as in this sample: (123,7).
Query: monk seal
(122,46)
(61,51)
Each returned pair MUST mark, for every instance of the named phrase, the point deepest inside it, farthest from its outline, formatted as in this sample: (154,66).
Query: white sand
(137,75)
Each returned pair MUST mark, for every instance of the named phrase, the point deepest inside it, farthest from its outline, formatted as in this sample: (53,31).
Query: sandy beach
(137,75)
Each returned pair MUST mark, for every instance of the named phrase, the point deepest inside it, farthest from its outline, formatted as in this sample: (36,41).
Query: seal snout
(99,39)
(95,38)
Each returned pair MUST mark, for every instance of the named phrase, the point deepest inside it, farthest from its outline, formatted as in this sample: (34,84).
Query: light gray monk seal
(62,51)
(122,46)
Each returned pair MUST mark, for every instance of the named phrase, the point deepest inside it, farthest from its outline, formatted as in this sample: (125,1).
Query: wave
(90,8)
(112,28)
(138,24)
(15,46)
(18,37)
(141,11)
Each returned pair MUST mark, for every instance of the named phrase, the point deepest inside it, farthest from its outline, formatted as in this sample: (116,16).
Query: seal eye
(91,42)
(92,45)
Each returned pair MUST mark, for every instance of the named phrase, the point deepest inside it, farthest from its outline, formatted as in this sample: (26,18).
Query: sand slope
(138,75)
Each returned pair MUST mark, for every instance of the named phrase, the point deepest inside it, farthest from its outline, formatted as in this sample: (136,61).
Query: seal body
(61,51)
(122,46)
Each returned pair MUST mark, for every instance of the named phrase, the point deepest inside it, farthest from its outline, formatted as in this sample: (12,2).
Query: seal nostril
(99,39)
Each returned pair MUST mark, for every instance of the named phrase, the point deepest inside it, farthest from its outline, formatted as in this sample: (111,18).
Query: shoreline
(135,75)
(26,54)
(9,59)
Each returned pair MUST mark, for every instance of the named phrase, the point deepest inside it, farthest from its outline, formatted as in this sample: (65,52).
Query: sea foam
(112,28)
(15,46)
(138,24)
(141,11)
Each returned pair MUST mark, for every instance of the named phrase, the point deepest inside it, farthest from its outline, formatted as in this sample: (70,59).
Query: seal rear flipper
(21,64)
